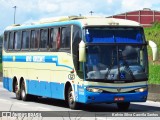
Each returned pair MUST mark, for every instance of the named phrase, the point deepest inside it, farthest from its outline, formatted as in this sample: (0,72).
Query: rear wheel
(71,101)
(123,106)
(24,95)
(17,91)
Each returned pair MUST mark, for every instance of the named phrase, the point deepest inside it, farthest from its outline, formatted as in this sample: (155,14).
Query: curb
(154,92)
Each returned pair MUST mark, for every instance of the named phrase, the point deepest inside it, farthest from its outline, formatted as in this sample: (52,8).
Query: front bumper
(91,97)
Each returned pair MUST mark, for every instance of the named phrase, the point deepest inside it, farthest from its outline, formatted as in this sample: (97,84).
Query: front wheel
(71,101)
(123,106)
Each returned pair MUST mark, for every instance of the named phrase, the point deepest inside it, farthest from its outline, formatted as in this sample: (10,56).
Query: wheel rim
(71,99)
(23,93)
(16,88)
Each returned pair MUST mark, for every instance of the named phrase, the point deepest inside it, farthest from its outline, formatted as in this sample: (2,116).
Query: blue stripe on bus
(7,58)
(47,59)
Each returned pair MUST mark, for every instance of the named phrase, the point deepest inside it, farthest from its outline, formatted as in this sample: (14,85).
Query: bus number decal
(38,58)
(28,58)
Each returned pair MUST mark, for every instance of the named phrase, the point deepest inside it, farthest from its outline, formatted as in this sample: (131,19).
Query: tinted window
(66,37)
(10,45)
(44,38)
(34,39)
(17,40)
(6,37)
(54,37)
(77,34)
(25,40)
(77,37)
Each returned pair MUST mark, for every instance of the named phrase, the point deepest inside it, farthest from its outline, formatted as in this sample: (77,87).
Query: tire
(17,91)
(71,103)
(24,96)
(123,106)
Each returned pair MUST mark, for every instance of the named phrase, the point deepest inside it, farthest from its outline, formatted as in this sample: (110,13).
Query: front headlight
(141,89)
(94,90)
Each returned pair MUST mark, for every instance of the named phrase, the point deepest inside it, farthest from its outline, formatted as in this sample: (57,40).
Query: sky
(33,10)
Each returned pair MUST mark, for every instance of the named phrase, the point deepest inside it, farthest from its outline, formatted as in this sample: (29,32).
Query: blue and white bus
(77,59)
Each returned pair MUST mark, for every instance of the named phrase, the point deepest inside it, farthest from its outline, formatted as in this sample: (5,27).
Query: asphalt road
(8,102)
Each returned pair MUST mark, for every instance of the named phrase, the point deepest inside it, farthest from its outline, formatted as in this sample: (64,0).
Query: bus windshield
(113,62)
(116,54)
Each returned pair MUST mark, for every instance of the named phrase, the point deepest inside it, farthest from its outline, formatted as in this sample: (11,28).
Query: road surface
(8,102)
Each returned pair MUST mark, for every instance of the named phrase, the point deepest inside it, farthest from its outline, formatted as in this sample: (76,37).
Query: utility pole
(15,14)
(91,12)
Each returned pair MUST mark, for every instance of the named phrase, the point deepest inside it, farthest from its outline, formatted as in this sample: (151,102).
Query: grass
(154,74)
(153,33)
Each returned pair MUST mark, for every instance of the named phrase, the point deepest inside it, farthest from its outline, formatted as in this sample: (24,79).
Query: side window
(77,34)
(34,39)
(10,42)
(6,37)
(77,37)
(25,39)
(54,36)
(17,40)
(44,38)
(66,37)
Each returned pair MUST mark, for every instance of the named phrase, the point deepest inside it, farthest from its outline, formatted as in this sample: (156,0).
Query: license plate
(118,98)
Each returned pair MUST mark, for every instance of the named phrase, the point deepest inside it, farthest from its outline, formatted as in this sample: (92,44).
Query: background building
(146,16)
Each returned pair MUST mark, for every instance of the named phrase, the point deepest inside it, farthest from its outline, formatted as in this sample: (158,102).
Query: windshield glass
(116,62)
(114,35)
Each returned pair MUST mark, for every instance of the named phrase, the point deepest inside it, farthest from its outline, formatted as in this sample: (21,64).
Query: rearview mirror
(154,50)
(82,51)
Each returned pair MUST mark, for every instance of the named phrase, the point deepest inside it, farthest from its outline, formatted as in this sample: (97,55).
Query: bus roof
(81,21)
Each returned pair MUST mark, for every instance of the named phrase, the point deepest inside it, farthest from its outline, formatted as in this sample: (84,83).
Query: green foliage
(154,76)
(156,25)
(153,33)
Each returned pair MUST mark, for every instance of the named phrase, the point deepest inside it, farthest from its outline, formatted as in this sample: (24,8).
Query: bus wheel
(17,91)
(123,106)
(24,96)
(71,102)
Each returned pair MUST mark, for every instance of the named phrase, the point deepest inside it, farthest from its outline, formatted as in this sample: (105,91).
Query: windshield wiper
(109,69)
(129,70)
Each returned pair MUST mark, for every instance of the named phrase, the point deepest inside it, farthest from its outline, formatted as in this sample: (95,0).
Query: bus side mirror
(82,52)
(154,50)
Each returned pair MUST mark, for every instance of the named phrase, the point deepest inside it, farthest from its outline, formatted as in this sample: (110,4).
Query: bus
(82,60)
